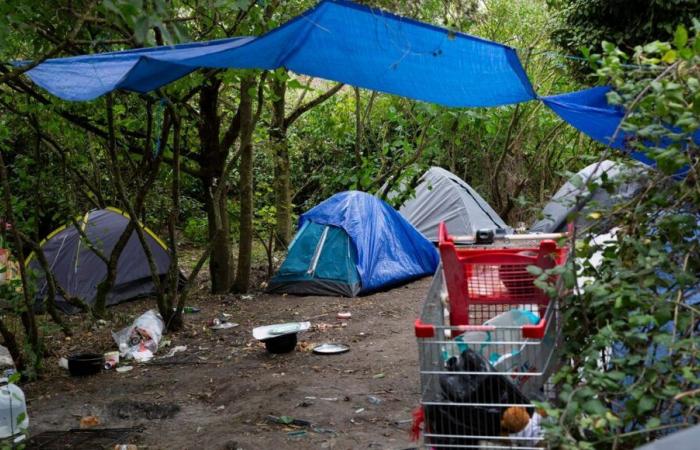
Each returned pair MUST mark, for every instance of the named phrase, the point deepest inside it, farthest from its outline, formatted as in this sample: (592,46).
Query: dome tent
(566,200)
(78,269)
(353,244)
(442,196)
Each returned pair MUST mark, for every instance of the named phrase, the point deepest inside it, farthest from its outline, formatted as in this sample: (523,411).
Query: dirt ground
(218,393)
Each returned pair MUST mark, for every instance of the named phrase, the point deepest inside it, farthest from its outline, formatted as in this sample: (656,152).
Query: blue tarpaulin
(336,40)
(388,249)
(589,112)
(343,41)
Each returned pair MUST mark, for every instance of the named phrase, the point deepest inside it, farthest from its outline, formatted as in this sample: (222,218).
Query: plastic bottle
(13,410)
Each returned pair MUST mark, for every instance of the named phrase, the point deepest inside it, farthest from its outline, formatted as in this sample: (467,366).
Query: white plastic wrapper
(140,340)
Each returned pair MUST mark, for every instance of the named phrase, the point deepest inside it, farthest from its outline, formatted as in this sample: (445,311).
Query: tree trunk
(27,316)
(245,245)
(213,160)
(221,259)
(278,137)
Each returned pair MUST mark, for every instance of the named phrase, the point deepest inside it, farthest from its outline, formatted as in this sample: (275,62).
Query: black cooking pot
(83,364)
(281,344)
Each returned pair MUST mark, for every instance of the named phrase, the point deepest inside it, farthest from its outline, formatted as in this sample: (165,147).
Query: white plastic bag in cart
(486,343)
(510,357)
(140,340)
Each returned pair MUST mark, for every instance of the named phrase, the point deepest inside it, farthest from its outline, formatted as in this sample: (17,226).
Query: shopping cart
(486,340)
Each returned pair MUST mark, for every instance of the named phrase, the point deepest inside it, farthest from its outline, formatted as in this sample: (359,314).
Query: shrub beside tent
(442,196)
(574,195)
(78,270)
(352,244)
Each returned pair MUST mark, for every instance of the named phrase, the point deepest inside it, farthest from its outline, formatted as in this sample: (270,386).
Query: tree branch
(289,120)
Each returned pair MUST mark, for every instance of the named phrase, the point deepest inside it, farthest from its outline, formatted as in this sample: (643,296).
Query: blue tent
(353,243)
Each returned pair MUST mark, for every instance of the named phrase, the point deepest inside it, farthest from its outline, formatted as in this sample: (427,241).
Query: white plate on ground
(279,329)
(331,349)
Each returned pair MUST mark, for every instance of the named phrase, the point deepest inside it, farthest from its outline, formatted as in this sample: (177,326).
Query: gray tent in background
(78,270)
(687,439)
(442,196)
(564,202)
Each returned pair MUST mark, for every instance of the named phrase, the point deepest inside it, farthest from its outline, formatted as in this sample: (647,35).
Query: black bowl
(281,344)
(84,364)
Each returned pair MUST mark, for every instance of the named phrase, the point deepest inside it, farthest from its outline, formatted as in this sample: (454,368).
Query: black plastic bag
(484,389)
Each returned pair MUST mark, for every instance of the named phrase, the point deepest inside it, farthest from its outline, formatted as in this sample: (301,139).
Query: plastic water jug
(13,410)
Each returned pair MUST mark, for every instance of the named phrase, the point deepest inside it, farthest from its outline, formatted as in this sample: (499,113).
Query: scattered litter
(223,325)
(246,297)
(311,398)
(329,399)
(344,315)
(320,430)
(379,375)
(125,447)
(331,349)
(123,369)
(323,327)
(89,422)
(358,411)
(173,351)
(298,433)
(281,337)
(220,408)
(111,360)
(142,355)
(374,400)
(287,420)
(191,309)
(84,364)
(140,340)
(63,363)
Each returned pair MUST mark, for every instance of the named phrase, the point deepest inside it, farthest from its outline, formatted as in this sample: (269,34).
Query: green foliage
(631,331)
(196,230)
(588,23)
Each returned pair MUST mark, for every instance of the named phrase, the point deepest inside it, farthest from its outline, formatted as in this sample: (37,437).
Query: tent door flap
(317,252)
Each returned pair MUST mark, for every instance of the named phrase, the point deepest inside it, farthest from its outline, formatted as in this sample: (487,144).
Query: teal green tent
(320,262)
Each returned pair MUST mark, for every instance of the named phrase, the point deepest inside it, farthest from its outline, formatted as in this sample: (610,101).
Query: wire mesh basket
(486,349)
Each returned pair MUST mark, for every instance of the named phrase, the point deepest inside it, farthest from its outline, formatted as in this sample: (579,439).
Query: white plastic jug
(13,410)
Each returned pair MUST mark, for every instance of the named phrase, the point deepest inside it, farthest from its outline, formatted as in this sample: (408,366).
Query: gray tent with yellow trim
(79,270)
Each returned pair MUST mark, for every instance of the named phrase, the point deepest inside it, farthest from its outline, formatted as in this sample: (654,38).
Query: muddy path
(218,393)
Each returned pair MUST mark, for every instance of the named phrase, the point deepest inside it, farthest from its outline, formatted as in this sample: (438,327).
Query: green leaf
(646,403)
(680,38)
(594,406)
(535,270)
(670,57)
